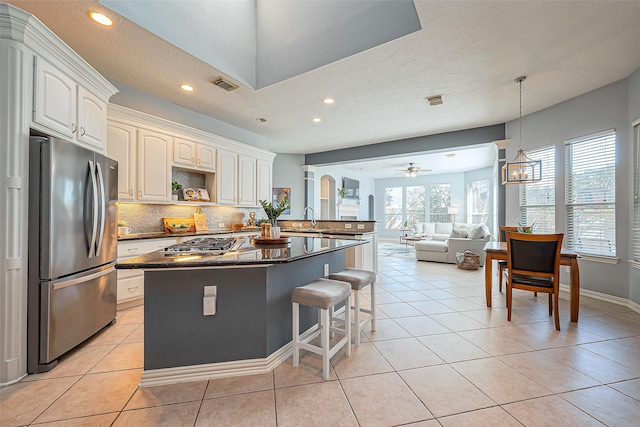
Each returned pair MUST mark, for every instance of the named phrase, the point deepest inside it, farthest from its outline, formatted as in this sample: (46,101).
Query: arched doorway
(327,197)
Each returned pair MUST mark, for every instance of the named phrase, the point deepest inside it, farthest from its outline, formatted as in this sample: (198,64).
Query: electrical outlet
(221,225)
(326,270)
(347,226)
(360,226)
(209,306)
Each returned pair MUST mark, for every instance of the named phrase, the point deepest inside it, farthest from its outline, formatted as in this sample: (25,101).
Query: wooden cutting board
(172,225)
(201,221)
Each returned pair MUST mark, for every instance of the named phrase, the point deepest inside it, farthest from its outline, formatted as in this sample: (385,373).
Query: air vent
(435,100)
(228,86)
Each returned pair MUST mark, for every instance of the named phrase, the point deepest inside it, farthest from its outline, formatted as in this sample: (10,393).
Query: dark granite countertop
(160,234)
(247,254)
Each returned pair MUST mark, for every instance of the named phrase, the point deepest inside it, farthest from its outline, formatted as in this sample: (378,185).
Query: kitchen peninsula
(250,331)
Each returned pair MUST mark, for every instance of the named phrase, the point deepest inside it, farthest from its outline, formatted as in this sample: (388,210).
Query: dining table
(498,251)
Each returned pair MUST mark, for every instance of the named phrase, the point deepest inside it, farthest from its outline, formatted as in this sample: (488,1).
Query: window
(478,202)
(415,204)
(591,194)
(439,202)
(636,193)
(538,199)
(393,208)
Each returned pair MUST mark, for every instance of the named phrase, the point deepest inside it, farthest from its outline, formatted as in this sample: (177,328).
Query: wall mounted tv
(352,188)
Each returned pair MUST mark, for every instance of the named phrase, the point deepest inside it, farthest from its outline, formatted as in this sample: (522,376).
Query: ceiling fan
(412,170)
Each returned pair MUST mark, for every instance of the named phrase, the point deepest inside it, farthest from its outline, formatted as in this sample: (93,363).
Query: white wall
(633,83)
(367,187)
(599,110)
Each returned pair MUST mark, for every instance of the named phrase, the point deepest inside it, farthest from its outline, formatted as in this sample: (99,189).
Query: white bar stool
(323,294)
(360,279)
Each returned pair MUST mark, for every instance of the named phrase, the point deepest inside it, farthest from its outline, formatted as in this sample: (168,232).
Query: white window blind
(538,199)
(590,194)
(636,194)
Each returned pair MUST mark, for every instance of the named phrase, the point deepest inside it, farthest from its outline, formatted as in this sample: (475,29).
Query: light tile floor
(439,357)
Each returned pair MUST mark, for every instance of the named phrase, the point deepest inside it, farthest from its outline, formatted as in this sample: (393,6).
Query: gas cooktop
(204,245)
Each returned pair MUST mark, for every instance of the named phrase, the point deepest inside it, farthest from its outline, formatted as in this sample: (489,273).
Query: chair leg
(557,311)
(550,305)
(324,336)
(356,316)
(509,290)
(296,334)
(373,306)
(347,325)
(501,274)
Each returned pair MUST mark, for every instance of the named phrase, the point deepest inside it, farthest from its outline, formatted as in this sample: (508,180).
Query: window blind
(636,193)
(538,199)
(590,194)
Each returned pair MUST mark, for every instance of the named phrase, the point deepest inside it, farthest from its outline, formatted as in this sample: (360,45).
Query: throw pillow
(417,228)
(478,232)
(458,233)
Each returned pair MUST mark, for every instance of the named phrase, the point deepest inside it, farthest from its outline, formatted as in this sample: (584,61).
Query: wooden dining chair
(502,237)
(533,263)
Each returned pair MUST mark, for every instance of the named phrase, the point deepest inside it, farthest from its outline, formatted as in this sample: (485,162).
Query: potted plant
(175,189)
(273,212)
(342,193)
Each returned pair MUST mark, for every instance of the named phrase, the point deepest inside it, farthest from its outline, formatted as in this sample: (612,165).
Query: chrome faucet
(313,214)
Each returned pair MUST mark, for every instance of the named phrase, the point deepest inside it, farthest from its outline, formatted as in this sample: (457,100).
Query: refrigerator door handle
(94,225)
(63,283)
(103,208)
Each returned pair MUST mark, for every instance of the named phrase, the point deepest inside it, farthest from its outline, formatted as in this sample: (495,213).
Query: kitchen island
(250,331)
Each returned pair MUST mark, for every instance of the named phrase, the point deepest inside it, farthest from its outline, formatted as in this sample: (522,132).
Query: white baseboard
(210,371)
(604,297)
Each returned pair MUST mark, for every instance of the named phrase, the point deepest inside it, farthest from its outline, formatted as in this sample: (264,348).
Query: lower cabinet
(131,282)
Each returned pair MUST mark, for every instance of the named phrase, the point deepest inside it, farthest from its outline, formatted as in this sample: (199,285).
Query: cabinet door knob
(73,128)
(131,192)
(139,193)
(82,132)
(192,160)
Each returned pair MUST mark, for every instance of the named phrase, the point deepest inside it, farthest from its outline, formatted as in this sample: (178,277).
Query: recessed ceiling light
(328,100)
(316,120)
(187,88)
(451,154)
(261,119)
(101,18)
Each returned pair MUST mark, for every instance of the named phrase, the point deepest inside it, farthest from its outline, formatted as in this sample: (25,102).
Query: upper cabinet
(147,149)
(65,107)
(194,155)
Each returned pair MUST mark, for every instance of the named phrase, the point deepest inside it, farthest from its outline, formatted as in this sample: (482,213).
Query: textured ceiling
(468,51)
(262,42)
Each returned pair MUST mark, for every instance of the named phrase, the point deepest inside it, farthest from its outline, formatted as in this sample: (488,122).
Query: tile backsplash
(147,218)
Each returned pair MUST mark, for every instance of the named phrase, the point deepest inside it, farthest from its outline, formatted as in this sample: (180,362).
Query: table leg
(488,270)
(575,289)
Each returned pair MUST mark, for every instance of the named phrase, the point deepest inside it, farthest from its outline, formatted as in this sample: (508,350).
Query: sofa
(446,239)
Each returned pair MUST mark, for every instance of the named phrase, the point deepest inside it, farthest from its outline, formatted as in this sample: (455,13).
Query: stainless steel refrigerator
(72,248)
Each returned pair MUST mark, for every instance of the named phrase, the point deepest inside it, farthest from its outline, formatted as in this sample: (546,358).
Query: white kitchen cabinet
(236,179)
(122,148)
(131,282)
(154,171)
(227,178)
(247,192)
(193,155)
(67,108)
(265,190)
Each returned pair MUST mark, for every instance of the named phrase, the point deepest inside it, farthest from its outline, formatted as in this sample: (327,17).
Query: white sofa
(446,239)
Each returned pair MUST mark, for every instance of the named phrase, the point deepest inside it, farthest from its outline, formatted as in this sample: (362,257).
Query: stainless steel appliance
(72,248)
(205,245)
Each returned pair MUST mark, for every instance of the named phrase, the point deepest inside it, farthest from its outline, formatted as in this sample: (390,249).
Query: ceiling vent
(434,100)
(228,86)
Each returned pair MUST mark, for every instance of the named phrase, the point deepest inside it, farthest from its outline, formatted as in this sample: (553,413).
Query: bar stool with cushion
(323,294)
(360,279)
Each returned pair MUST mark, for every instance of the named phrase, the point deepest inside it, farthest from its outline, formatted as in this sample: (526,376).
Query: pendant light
(522,170)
